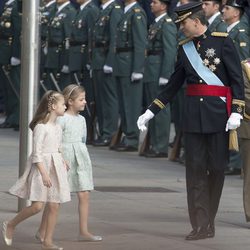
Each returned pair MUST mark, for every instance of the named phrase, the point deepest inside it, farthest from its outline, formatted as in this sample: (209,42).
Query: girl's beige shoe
(7,241)
(53,247)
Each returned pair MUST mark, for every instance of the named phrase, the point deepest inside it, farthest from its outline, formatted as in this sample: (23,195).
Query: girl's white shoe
(7,241)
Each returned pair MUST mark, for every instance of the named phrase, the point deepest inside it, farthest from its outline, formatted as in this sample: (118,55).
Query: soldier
(238,31)
(59,33)
(128,69)
(10,50)
(161,54)
(212,12)
(102,65)
(80,55)
(47,11)
(214,104)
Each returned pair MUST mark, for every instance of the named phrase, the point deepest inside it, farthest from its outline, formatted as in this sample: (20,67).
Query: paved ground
(139,204)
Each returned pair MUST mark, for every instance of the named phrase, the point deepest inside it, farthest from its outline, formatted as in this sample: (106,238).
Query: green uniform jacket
(10,30)
(46,14)
(81,37)
(240,37)
(131,40)
(104,34)
(161,50)
(218,25)
(59,30)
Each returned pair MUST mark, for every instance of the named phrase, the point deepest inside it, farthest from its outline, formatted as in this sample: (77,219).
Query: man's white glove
(163,81)
(107,69)
(65,69)
(233,121)
(45,50)
(136,76)
(88,67)
(67,45)
(14,61)
(143,119)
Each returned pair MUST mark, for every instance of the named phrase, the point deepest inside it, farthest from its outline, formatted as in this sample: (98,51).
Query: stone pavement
(139,204)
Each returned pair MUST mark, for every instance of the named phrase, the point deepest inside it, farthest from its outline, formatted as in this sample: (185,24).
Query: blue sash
(204,72)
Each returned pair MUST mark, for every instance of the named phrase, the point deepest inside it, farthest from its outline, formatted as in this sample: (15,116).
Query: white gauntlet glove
(136,76)
(65,69)
(143,119)
(163,81)
(107,69)
(14,61)
(233,121)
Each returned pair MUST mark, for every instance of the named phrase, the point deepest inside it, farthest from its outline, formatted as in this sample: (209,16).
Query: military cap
(237,3)
(186,10)
(217,1)
(165,1)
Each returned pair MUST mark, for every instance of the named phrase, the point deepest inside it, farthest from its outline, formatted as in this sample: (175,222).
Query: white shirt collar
(62,6)
(84,4)
(9,2)
(104,6)
(230,27)
(211,19)
(157,19)
(128,7)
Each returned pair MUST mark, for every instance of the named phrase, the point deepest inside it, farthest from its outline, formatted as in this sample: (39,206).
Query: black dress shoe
(197,234)
(6,125)
(210,231)
(101,142)
(154,154)
(126,148)
(16,127)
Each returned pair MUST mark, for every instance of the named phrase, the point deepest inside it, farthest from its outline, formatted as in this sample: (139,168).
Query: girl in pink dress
(45,176)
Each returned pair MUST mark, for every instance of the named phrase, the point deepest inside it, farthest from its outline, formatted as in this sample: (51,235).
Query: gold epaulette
(219,34)
(168,20)
(136,10)
(184,41)
(159,103)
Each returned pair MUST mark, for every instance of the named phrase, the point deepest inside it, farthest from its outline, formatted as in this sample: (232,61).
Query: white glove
(88,67)
(45,50)
(14,61)
(67,44)
(163,81)
(233,121)
(107,69)
(65,69)
(136,76)
(143,119)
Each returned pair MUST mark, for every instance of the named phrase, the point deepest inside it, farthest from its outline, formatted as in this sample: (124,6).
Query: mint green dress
(75,152)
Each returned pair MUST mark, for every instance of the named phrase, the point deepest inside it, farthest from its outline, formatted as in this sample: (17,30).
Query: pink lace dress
(46,149)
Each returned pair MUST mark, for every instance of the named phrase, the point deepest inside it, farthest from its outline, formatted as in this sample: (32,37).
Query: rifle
(175,152)
(145,144)
(54,81)
(116,138)
(7,74)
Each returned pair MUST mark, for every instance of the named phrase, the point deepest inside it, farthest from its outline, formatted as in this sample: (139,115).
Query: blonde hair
(72,91)
(45,107)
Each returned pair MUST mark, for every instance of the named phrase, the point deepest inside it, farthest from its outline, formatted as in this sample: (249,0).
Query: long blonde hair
(72,91)
(44,108)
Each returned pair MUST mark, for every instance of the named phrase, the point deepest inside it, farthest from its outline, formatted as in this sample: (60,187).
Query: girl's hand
(46,180)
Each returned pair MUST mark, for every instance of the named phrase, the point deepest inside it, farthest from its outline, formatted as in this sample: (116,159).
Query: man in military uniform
(10,50)
(214,104)
(161,54)
(59,33)
(102,65)
(129,69)
(47,11)
(80,55)
(238,31)
(212,12)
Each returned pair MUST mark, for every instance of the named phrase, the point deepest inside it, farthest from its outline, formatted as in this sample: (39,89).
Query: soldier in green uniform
(80,55)
(59,32)
(102,65)
(212,12)
(10,50)
(129,69)
(161,54)
(238,31)
(46,11)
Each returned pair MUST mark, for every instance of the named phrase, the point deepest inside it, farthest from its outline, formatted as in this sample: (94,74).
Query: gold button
(200,81)
(201,99)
